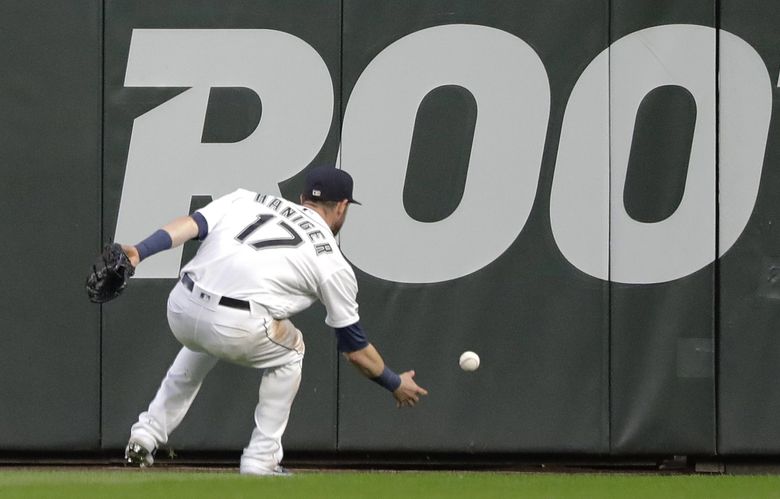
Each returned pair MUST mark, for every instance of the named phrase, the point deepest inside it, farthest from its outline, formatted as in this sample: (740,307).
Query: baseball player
(262,260)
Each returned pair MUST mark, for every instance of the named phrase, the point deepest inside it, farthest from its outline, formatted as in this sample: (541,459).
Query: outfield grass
(365,485)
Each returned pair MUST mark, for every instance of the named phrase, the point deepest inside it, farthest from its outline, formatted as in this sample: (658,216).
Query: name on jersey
(315,235)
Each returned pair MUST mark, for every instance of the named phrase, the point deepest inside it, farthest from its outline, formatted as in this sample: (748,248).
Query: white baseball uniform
(263,260)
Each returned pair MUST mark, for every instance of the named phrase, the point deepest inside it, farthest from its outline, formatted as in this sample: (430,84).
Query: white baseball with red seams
(469,361)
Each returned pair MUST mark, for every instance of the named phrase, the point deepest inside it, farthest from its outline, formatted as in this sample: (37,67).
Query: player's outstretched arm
(173,234)
(369,362)
(117,263)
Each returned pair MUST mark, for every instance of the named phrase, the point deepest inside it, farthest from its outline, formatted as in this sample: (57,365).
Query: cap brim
(352,201)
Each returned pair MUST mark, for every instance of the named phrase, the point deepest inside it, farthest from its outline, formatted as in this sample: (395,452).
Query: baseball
(469,361)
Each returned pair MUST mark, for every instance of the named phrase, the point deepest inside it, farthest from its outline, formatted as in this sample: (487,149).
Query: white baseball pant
(210,332)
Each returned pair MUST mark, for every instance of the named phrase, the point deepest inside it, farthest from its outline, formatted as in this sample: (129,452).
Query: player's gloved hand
(109,275)
(409,392)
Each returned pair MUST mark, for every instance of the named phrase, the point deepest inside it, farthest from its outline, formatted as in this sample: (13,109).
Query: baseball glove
(109,275)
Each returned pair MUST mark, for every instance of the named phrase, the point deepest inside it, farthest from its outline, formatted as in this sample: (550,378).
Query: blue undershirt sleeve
(203,225)
(350,338)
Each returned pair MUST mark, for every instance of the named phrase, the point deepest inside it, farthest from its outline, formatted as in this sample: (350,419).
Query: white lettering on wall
(588,218)
(745,110)
(511,89)
(167,163)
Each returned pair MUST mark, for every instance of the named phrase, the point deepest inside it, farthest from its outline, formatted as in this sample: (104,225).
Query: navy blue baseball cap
(327,183)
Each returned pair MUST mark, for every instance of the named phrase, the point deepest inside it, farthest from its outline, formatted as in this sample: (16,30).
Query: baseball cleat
(137,455)
(281,471)
(278,470)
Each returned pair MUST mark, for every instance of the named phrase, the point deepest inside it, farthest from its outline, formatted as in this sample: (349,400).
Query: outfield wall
(581,192)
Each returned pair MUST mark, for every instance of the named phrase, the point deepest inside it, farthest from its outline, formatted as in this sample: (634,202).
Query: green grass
(137,484)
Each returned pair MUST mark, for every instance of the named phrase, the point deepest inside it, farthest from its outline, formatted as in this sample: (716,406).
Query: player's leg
(278,388)
(172,401)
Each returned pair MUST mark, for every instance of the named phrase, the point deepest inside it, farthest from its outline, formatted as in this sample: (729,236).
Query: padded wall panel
(50,198)
(662,303)
(538,323)
(748,399)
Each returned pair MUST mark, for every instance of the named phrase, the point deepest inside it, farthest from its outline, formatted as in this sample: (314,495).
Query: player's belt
(224,301)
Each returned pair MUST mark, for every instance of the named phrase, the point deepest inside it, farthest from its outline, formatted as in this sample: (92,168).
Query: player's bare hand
(409,392)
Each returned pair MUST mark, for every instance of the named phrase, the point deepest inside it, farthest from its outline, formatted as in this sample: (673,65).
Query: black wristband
(388,379)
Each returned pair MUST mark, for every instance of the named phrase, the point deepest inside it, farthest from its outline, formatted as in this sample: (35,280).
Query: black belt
(224,301)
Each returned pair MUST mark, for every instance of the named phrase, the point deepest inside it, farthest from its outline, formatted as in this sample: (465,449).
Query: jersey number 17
(293,241)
